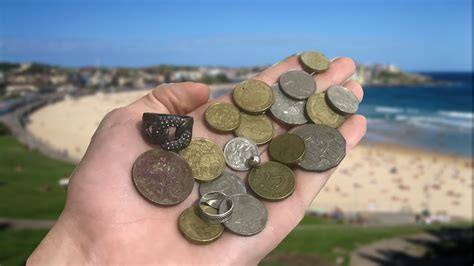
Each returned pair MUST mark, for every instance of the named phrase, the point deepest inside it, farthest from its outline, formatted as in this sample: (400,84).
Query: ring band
(212,197)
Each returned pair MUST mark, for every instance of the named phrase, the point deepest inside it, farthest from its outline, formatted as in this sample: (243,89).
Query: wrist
(63,245)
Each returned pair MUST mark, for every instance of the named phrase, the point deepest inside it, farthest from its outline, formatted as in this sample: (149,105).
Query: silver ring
(213,199)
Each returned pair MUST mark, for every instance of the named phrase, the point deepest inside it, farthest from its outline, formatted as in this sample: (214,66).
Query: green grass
(29,182)
(306,245)
(329,242)
(17,245)
(333,241)
(314,220)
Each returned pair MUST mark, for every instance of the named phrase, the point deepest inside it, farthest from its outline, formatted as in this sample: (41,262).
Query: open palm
(106,221)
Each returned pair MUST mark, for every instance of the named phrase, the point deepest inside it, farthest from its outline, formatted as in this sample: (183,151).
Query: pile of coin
(166,175)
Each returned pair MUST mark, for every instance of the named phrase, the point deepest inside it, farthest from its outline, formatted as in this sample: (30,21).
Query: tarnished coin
(257,128)
(253,96)
(287,110)
(162,177)
(314,62)
(272,181)
(342,100)
(205,158)
(195,229)
(222,117)
(237,153)
(226,183)
(320,113)
(297,84)
(286,149)
(249,216)
(325,147)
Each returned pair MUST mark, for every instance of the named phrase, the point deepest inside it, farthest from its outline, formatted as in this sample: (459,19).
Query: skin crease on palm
(106,221)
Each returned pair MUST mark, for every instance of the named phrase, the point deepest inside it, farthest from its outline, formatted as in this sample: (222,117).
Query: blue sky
(420,35)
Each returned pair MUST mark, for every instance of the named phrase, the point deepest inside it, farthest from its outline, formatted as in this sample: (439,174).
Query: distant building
(24,67)
(99,79)
(391,68)
(186,75)
(58,79)
(67,88)
(11,90)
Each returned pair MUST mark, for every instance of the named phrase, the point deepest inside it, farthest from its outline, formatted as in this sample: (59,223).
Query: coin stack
(165,175)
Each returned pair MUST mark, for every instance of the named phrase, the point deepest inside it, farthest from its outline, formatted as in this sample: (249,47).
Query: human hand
(106,221)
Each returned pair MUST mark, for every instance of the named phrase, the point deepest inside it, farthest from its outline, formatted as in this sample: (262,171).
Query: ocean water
(433,117)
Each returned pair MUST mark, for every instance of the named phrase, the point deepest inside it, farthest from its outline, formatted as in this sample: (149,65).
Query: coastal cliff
(389,75)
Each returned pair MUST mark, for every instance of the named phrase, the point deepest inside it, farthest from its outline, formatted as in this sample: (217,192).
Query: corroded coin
(297,84)
(286,149)
(320,113)
(342,100)
(237,153)
(205,158)
(249,216)
(257,128)
(325,147)
(162,177)
(195,229)
(227,183)
(287,110)
(314,62)
(253,96)
(272,181)
(222,117)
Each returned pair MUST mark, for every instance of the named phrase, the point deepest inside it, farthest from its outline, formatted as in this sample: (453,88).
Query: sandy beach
(373,178)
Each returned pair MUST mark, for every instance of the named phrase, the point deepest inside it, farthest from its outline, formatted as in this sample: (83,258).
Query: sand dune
(371,178)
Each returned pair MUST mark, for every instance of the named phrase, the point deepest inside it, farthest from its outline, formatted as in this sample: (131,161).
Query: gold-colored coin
(258,128)
(272,181)
(253,96)
(222,117)
(314,62)
(287,149)
(320,113)
(196,230)
(205,158)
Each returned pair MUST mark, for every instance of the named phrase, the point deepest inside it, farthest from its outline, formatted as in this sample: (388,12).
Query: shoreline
(416,149)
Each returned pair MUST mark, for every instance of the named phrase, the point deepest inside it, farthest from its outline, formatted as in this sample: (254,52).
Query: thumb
(174,98)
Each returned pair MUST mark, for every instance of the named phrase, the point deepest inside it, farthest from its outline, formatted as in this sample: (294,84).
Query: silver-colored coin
(249,216)
(227,183)
(342,100)
(325,147)
(297,84)
(238,151)
(287,110)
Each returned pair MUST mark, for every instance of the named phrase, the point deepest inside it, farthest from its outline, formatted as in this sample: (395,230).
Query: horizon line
(205,65)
